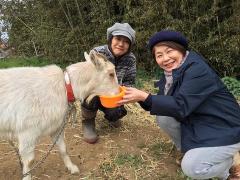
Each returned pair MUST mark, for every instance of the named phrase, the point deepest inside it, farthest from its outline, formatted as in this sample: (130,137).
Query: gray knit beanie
(121,29)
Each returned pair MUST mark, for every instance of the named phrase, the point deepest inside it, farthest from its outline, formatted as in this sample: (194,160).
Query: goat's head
(95,76)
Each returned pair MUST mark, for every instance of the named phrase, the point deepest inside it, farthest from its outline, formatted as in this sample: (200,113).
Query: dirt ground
(137,150)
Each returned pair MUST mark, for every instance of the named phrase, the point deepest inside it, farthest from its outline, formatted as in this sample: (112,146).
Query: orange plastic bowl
(111,101)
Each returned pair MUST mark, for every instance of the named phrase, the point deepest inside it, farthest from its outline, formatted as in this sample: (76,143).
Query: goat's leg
(63,152)
(26,152)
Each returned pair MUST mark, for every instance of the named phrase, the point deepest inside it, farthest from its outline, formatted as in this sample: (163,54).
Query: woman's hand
(133,95)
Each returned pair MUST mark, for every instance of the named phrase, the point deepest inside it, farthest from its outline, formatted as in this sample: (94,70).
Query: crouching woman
(194,108)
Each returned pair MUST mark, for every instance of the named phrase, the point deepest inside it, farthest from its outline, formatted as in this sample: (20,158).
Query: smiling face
(120,45)
(167,57)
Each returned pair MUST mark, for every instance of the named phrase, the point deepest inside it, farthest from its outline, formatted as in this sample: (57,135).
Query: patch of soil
(136,150)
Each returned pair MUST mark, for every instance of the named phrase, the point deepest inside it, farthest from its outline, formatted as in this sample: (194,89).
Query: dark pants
(89,110)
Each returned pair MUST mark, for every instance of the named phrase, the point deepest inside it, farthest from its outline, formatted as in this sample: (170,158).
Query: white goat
(34,102)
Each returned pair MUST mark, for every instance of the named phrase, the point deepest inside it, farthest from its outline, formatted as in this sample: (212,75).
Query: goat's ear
(87,57)
(96,59)
(103,57)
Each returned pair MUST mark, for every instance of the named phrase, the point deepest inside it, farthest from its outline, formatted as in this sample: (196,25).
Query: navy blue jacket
(208,112)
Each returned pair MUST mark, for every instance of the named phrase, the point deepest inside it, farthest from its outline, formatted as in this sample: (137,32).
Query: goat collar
(69,90)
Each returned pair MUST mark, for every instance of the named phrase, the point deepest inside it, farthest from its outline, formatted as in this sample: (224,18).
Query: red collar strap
(69,90)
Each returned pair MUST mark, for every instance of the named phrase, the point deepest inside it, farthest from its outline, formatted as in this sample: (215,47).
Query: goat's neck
(82,84)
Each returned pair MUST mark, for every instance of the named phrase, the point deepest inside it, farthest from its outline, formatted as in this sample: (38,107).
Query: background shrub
(62,30)
(233,85)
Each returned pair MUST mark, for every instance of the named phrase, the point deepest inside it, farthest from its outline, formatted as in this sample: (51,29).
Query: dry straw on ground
(137,150)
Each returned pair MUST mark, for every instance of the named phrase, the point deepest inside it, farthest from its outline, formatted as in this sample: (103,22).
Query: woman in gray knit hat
(121,38)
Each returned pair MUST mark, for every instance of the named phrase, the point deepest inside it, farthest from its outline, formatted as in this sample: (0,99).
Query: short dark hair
(171,44)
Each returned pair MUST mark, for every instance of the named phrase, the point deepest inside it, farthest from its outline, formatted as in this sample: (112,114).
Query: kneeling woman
(194,107)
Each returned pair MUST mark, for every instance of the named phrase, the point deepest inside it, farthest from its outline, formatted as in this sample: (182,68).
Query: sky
(4,34)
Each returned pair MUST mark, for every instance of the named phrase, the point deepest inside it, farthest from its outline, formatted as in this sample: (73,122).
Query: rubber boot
(88,126)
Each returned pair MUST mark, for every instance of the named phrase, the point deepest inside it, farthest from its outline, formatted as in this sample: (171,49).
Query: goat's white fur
(33,102)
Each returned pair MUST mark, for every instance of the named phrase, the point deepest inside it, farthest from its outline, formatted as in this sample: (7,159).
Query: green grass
(145,80)
(160,149)
(181,176)
(129,159)
(20,62)
(107,167)
(142,76)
